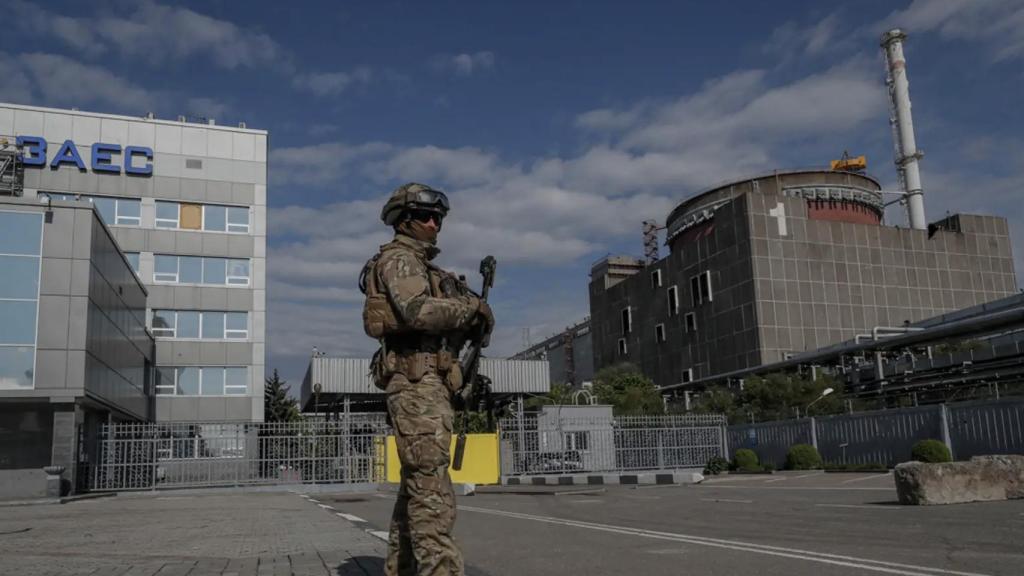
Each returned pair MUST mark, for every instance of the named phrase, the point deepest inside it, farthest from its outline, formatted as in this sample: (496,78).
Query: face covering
(419,231)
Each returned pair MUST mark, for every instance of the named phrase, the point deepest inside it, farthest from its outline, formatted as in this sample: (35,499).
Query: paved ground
(782,524)
(231,534)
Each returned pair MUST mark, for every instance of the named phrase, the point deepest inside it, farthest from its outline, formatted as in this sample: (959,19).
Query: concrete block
(983,478)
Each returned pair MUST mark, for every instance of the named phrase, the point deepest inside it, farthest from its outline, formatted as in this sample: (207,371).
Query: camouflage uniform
(420,404)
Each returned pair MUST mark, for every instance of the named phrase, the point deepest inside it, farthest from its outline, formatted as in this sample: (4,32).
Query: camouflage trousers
(420,541)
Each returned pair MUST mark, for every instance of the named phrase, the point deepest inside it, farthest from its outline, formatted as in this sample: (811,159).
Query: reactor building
(763,268)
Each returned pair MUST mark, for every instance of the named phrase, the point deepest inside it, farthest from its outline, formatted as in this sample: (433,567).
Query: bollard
(53,481)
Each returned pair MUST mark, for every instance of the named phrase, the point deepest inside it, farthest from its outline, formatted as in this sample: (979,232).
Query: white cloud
(330,83)
(792,40)
(552,211)
(996,23)
(156,33)
(62,81)
(464,64)
(206,107)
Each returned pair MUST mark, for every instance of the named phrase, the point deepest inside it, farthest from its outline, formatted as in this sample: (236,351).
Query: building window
(673,300)
(202,381)
(20,249)
(700,288)
(623,350)
(204,325)
(627,320)
(687,375)
(209,217)
(577,441)
(133,260)
(659,333)
(691,322)
(656,279)
(198,270)
(114,211)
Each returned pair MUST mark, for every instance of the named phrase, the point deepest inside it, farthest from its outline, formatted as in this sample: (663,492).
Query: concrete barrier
(982,478)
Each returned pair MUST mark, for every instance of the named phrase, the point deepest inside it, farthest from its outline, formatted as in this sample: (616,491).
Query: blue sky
(555,127)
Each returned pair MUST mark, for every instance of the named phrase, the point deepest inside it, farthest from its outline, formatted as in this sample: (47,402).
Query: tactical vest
(379,318)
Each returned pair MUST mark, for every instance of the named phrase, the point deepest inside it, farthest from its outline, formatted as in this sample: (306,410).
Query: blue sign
(138,160)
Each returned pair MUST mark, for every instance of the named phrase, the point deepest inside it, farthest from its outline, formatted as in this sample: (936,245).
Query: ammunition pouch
(379,317)
(382,367)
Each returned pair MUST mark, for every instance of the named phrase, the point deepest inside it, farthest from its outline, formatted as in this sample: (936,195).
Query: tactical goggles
(426,216)
(430,198)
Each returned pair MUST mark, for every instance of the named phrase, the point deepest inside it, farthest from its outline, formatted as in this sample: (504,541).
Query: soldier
(421,315)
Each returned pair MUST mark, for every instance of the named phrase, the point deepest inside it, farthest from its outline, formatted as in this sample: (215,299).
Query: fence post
(814,433)
(944,423)
(724,439)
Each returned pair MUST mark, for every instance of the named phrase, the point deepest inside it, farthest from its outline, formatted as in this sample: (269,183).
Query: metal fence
(548,444)
(887,436)
(154,456)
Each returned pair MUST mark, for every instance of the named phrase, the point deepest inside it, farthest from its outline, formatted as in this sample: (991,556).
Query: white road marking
(868,506)
(325,506)
(726,500)
(587,501)
(349,517)
(313,501)
(810,556)
(863,478)
(862,488)
(777,479)
(732,479)
(379,534)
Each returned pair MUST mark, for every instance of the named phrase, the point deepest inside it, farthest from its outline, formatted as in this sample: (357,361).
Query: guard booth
(336,388)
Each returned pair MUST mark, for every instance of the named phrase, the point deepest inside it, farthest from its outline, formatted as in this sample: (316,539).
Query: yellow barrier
(480,464)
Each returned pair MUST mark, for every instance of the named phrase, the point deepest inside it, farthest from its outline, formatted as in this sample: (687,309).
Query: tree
(277,405)
(776,396)
(560,393)
(627,390)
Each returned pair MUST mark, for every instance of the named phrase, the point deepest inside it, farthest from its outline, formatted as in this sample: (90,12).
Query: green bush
(930,451)
(716,466)
(803,457)
(746,459)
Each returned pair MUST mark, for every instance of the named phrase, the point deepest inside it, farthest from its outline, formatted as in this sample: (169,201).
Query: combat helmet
(413,196)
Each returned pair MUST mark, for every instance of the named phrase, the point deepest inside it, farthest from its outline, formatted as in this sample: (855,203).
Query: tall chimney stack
(907,154)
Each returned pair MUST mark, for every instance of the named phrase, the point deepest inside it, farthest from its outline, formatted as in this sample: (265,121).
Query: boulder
(983,478)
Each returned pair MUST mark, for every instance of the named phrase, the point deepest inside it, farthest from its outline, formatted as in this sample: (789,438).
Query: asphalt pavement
(790,523)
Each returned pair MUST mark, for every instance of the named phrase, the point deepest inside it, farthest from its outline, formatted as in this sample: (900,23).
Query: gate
(548,444)
(173,455)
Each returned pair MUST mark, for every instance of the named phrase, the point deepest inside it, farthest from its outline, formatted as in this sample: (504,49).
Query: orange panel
(191,216)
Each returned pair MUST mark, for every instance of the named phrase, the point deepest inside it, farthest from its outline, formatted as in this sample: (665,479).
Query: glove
(484,320)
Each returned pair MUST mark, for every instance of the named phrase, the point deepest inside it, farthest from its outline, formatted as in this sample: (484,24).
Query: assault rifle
(477,389)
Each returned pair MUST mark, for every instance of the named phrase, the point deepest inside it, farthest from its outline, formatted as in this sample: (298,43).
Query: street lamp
(824,393)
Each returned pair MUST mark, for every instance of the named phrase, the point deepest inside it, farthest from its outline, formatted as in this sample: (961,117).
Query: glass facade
(114,211)
(21,236)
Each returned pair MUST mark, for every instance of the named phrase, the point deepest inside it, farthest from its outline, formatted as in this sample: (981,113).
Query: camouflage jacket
(412,286)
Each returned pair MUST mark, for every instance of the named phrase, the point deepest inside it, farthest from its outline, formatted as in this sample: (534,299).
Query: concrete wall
(804,284)
(726,334)
(825,282)
(193,163)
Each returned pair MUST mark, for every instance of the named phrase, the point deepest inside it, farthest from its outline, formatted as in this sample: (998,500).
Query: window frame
(656,278)
(623,347)
(229,280)
(688,319)
(177,215)
(227,334)
(160,388)
(673,300)
(626,320)
(132,220)
(248,219)
(228,277)
(660,337)
(687,376)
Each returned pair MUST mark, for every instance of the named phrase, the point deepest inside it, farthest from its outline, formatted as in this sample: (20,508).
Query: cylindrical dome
(830,195)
